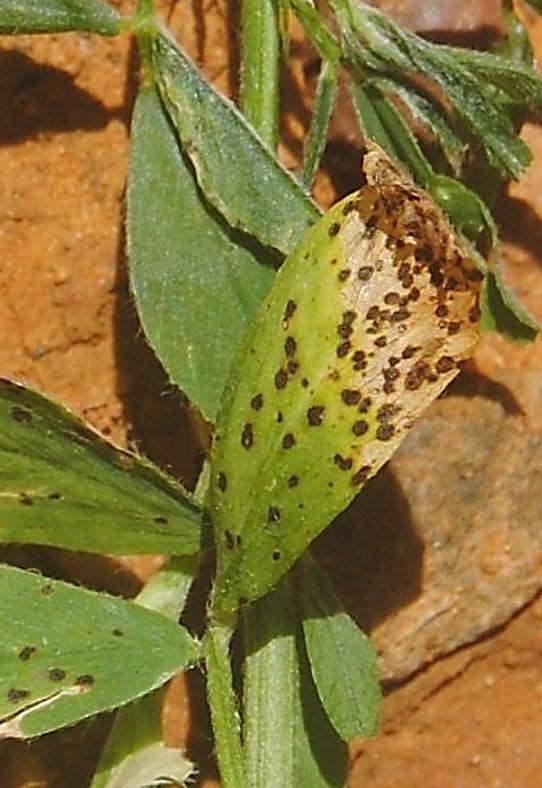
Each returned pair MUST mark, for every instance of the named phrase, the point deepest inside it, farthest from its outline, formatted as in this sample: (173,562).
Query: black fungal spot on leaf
(344,463)
(365,273)
(55,496)
(288,441)
(385,432)
(445,364)
(273,514)
(26,652)
(292,367)
(276,555)
(364,405)
(46,590)
(85,680)
(222,481)
(343,275)
(289,311)
(334,229)
(25,500)
(399,315)
(315,415)
(361,476)
(21,415)
(386,412)
(360,427)
(293,481)
(290,347)
(256,403)
(16,695)
(118,633)
(57,674)
(343,349)
(160,520)
(281,379)
(350,396)
(304,383)
(247,436)
(409,351)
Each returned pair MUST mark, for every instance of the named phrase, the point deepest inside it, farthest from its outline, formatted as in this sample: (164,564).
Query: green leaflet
(67,653)
(341,657)
(321,756)
(54,16)
(238,175)
(364,326)
(324,101)
(186,264)
(61,484)
(473,83)
(502,312)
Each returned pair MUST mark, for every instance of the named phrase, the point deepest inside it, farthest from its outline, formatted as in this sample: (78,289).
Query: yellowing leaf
(365,325)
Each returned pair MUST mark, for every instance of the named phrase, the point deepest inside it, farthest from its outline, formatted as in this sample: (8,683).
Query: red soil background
(445,568)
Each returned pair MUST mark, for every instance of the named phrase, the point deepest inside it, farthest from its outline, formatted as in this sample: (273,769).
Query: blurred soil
(441,556)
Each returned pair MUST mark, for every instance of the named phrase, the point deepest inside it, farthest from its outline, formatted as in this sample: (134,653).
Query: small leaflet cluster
(368,322)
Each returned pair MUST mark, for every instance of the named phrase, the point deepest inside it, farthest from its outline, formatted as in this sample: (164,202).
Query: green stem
(259,93)
(223,705)
(143,25)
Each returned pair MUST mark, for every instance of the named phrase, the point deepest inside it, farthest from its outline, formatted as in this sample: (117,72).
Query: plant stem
(223,705)
(259,93)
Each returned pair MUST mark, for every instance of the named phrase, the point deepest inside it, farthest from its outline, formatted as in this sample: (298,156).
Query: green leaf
(465,209)
(467,81)
(196,283)
(370,122)
(365,325)
(55,16)
(270,690)
(68,653)
(321,756)
(426,113)
(238,175)
(315,142)
(341,657)
(501,312)
(63,485)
